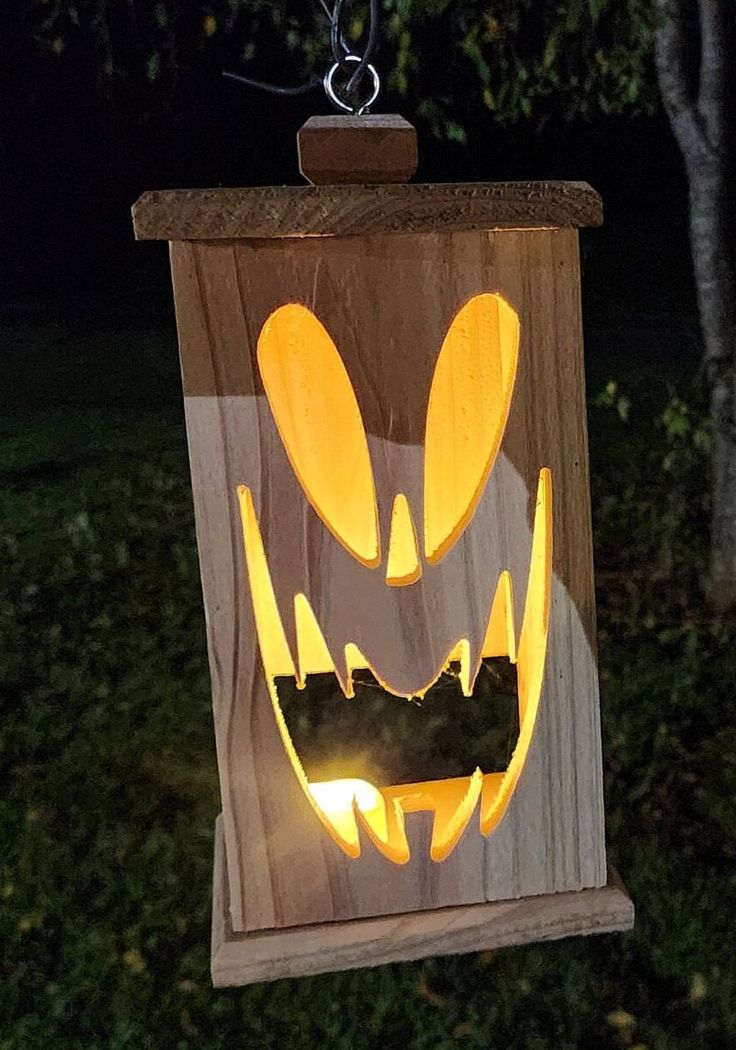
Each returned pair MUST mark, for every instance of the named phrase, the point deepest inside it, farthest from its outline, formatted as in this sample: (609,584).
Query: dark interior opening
(386,739)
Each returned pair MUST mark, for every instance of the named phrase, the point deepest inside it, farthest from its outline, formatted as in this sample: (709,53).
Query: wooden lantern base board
(244,958)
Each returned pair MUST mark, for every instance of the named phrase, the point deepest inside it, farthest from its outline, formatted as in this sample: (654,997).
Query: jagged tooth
(313,656)
(275,653)
(469,666)
(334,802)
(384,824)
(466,684)
(451,820)
(400,848)
(354,659)
(451,801)
(344,805)
(345,674)
(500,636)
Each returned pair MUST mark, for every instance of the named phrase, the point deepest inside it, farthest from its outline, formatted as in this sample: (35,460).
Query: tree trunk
(699,122)
(717,303)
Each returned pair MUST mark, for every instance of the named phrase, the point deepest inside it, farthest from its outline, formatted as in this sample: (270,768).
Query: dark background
(75,157)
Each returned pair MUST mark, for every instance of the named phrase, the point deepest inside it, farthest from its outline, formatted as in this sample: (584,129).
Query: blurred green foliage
(108,771)
(447,62)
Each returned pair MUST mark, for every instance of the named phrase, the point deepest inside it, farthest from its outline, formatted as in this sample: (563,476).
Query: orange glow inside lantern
(319,422)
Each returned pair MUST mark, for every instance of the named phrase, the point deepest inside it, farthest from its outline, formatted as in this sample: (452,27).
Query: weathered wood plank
(308,211)
(244,958)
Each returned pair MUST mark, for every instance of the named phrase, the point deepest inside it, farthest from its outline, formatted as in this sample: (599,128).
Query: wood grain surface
(308,211)
(387,302)
(244,958)
(375,148)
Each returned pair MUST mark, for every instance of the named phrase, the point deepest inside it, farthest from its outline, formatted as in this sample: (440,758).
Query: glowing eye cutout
(468,408)
(317,416)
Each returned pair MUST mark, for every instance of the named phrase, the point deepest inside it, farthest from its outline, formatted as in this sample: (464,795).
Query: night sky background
(74,159)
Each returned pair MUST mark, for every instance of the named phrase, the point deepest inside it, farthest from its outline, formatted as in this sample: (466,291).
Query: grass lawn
(109,789)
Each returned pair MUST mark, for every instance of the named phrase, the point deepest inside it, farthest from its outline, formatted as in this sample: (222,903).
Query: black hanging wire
(352,67)
(275,89)
(337,38)
(338,41)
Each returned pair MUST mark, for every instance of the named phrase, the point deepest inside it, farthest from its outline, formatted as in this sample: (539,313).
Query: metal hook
(359,108)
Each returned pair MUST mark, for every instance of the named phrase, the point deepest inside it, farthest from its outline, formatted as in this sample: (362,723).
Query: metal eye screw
(335,98)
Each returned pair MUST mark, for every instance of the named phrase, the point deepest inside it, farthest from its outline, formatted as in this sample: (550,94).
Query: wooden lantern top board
(355,211)
(381,271)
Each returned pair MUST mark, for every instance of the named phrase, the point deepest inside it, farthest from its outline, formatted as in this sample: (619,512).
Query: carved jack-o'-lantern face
(397,556)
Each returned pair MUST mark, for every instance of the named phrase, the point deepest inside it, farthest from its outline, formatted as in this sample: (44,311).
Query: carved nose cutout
(403,565)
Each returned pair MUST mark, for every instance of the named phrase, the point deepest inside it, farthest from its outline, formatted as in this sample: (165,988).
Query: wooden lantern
(385,411)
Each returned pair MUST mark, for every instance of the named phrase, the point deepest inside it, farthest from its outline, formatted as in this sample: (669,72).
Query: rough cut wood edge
(309,211)
(241,958)
(347,149)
